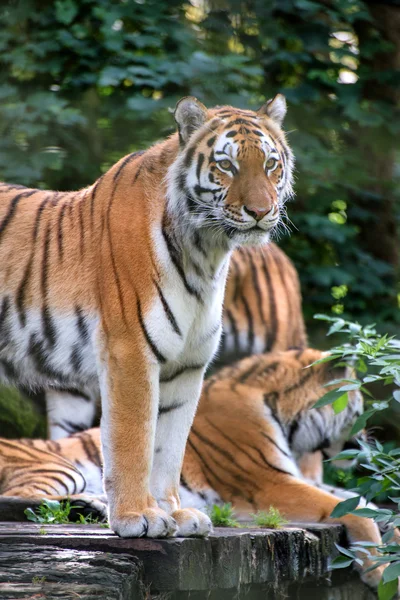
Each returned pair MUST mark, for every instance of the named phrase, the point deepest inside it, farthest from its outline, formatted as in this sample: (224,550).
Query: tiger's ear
(275,109)
(190,115)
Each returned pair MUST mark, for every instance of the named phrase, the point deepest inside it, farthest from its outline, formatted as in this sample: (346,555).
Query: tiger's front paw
(192,523)
(152,522)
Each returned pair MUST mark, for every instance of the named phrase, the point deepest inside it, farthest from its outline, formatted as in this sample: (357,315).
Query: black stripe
(270,439)
(76,358)
(166,409)
(245,375)
(228,455)
(198,243)
(9,370)
(72,392)
(167,310)
(240,448)
(206,465)
(12,209)
(233,329)
(126,161)
(20,297)
(60,238)
(250,330)
(189,156)
(81,325)
(211,141)
(179,372)
(40,356)
(160,357)
(239,122)
(257,289)
(90,448)
(49,328)
(231,133)
(273,321)
(174,255)
(200,161)
(4,312)
(70,427)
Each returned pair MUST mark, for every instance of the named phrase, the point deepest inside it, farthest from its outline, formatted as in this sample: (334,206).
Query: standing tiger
(254,424)
(117,289)
(262,312)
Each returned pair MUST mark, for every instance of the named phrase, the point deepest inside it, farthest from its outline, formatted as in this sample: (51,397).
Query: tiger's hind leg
(68,412)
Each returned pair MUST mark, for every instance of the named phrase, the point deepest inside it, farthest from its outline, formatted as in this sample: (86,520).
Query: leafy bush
(376,359)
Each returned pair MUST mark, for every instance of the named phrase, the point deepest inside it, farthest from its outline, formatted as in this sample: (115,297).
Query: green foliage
(18,416)
(376,358)
(82,83)
(50,512)
(56,513)
(271,518)
(223,516)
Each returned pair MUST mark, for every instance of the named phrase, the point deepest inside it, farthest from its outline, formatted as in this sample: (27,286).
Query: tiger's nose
(258,212)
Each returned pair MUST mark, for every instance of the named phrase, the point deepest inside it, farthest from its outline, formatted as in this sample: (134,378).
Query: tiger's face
(234,171)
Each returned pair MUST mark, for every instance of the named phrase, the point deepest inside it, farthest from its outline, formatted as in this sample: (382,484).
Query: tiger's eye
(271,162)
(226,165)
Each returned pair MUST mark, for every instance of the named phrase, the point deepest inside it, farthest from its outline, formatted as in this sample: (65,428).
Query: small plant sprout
(270,519)
(36,580)
(223,516)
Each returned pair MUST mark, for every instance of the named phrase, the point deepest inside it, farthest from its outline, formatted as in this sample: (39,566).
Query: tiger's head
(234,169)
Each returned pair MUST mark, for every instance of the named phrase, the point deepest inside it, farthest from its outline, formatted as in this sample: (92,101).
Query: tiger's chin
(254,236)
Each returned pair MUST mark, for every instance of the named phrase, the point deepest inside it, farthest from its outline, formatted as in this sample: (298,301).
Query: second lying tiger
(254,424)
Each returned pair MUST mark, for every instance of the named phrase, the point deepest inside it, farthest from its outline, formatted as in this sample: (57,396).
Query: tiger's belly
(46,350)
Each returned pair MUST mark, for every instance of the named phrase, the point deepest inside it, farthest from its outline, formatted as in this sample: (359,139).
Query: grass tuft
(270,519)
(223,516)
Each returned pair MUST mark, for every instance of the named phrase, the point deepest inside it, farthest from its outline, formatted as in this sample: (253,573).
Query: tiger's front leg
(129,384)
(178,402)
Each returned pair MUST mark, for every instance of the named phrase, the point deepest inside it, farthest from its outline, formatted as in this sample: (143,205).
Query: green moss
(19,417)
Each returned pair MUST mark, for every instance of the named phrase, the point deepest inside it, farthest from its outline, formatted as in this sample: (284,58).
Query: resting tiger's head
(234,169)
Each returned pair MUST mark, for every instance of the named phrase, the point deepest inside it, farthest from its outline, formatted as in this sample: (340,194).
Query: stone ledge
(228,559)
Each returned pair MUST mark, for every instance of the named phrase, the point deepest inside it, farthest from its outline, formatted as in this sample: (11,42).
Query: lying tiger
(253,426)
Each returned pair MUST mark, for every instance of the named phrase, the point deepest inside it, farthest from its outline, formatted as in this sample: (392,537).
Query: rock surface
(88,561)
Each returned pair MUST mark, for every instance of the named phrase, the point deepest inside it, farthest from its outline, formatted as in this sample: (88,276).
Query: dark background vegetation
(83,82)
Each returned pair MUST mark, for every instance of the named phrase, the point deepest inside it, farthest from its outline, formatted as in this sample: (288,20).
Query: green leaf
(343,508)
(32,516)
(337,326)
(361,422)
(396,395)
(340,404)
(392,572)
(341,562)
(388,590)
(366,512)
(328,398)
(66,11)
(345,455)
